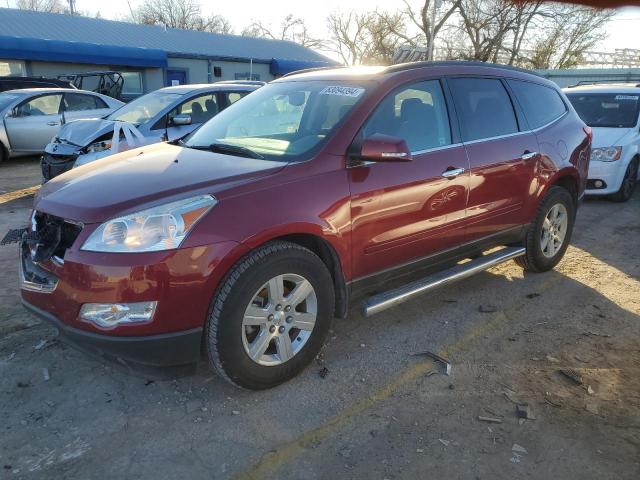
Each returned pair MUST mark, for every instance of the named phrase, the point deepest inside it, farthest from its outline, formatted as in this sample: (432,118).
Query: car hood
(146,176)
(84,132)
(611,137)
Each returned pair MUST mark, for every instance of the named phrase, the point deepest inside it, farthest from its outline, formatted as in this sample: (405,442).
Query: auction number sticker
(627,97)
(342,91)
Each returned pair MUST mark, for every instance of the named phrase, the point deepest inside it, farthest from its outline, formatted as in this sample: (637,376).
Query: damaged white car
(166,114)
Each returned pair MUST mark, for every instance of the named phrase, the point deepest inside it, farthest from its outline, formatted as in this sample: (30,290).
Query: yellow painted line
(272,461)
(25,192)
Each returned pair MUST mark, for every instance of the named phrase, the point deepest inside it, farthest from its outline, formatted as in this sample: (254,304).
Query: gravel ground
(380,410)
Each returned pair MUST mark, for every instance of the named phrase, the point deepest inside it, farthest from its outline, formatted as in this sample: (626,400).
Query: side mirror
(182,119)
(385,148)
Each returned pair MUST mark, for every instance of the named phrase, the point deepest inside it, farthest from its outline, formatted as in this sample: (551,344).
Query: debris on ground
(45,374)
(437,358)
(589,333)
(236,412)
(572,375)
(324,371)
(533,295)
(524,411)
(552,359)
(444,442)
(41,344)
(487,308)
(489,419)
(590,390)
(518,448)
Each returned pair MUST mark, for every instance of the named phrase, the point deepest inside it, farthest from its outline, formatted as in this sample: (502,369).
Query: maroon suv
(247,237)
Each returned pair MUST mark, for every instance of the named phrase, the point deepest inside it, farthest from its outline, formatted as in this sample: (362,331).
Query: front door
(502,155)
(406,210)
(34,123)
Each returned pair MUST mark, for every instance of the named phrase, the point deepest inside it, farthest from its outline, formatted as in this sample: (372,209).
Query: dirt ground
(381,411)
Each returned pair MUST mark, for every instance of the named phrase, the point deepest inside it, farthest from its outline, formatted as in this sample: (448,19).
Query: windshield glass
(281,121)
(6,99)
(606,109)
(144,108)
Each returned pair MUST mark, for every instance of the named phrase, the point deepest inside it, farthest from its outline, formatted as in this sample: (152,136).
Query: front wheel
(270,317)
(628,183)
(549,235)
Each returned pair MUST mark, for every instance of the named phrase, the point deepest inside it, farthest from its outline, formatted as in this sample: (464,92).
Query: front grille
(53,236)
(52,166)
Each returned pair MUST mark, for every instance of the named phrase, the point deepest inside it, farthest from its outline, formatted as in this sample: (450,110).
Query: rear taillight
(589,131)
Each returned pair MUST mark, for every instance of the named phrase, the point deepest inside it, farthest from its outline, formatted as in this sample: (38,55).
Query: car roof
(604,88)
(366,72)
(32,91)
(185,89)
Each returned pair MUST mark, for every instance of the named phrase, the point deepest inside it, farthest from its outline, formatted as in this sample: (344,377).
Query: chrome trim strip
(435,149)
(31,286)
(498,137)
(566,112)
(382,301)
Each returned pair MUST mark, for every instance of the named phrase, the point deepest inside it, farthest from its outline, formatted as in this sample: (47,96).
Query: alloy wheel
(279,320)
(554,230)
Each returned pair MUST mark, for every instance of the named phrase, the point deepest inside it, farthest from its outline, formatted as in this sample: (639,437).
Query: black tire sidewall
(621,195)
(233,358)
(556,195)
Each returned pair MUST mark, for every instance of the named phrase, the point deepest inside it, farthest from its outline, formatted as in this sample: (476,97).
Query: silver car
(31,117)
(166,114)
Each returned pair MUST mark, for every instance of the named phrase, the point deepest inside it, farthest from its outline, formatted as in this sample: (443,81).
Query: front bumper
(170,349)
(607,172)
(54,165)
(182,282)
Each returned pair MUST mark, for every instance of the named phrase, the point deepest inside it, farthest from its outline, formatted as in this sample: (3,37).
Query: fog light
(598,183)
(109,315)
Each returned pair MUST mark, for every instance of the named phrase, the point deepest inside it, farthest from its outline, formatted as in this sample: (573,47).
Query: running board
(381,301)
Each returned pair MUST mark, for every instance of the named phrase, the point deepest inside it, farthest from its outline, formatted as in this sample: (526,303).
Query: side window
(541,104)
(44,105)
(233,97)
(75,102)
(200,108)
(416,113)
(484,108)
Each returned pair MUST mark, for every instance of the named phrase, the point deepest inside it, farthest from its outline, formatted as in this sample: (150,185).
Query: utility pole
(72,7)
(432,33)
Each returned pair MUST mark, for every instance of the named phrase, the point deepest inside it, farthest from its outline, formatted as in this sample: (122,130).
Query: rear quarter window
(542,105)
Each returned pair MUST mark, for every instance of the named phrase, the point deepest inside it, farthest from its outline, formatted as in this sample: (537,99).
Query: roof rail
(450,63)
(601,82)
(243,82)
(314,69)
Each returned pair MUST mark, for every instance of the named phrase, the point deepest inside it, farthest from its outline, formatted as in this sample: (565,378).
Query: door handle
(452,173)
(52,123)
(527,155)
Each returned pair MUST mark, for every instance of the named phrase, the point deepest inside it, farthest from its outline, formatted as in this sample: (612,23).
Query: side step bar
(381,301)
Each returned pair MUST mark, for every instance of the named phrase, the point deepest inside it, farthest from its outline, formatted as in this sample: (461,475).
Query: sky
(622,31)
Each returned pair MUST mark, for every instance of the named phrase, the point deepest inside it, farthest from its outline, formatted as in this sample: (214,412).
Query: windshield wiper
(225,148)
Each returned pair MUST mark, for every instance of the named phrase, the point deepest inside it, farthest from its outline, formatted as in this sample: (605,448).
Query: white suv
(611,110)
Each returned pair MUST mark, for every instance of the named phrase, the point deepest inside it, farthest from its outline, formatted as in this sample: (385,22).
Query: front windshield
(281,121)
(144,108)
(6,99)
(606,109)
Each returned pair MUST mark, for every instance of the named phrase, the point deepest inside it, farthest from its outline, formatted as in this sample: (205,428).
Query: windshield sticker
(342,91)
(627,97)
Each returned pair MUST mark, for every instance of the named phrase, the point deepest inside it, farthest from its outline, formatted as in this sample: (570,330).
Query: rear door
(407,210)
(83,105)
(35,123)
(502,155)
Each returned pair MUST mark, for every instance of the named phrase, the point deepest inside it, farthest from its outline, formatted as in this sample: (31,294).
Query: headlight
(151,230)
(608,154)
(98,147)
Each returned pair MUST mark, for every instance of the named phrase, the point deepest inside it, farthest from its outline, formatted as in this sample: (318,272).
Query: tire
(541,256)
(245,296)
(628,183)
(3,153)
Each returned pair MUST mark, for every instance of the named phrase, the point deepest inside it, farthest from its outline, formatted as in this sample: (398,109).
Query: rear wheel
(549,235)
(270,317)
(3,153)
(628,183)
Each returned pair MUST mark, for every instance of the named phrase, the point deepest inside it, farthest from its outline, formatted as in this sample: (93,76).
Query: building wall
(565,78)
(198,69)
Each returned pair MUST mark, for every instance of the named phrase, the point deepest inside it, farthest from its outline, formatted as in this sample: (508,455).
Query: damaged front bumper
(57,159)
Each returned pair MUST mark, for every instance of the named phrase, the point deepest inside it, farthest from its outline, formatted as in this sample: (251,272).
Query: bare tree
(49,6)
(182,14)
(367,38)
(431,17)
(291,28)
(566,36)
